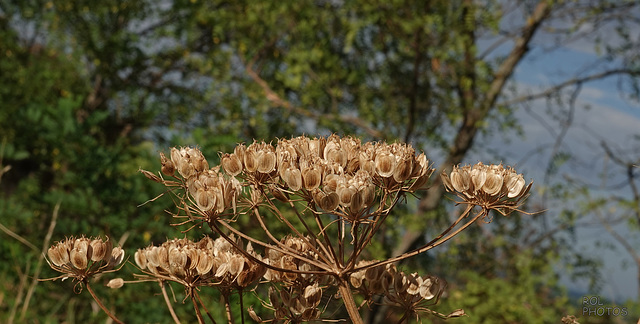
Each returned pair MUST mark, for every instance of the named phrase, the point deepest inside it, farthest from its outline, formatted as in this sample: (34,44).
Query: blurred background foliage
(91,91)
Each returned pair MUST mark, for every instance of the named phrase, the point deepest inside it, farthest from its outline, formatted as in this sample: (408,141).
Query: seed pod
(427,290)
(493,184)
(115,283)
(478,176)
(311,178)
(310,314)
(356,279)
(205,263)
(117,256)
(330,183)
(368,194)
(99,250)
(357,202)
(254,316)
(293,178)
(312,295)
(78,258)
(460,179)
(168,168)
(177,259)
(414,282)
(345,194)
(515,185)
(55,255)
(163,257)
(385,164)
(266,162)
(231,164)
(141,259)
(251,160)
(403,169)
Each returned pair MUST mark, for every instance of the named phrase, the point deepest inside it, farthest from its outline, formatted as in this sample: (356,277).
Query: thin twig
(45,244)
(95,297)
(168,302)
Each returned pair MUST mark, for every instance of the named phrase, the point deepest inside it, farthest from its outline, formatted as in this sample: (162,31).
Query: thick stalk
(349,303)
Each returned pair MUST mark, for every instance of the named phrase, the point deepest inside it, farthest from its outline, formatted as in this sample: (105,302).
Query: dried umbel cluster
(339,175)
(317,190)
(80,258)
(488,186)
(294,304)
(207,262)
(410,292)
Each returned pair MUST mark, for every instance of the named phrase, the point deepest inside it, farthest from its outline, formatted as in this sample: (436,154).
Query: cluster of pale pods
(83,257)
(333,186)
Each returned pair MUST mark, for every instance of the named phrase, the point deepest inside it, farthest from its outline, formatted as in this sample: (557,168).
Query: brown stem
(95,297)
(168,302)
(205,307)
(227,306)
(195,306)
(435,242)
(349,303)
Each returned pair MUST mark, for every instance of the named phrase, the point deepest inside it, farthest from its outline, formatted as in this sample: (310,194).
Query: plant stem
(349,303)
(95,297)
(195,306)
(227,306)
(166,300)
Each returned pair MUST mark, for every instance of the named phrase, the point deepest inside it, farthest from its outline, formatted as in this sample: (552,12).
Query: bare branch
(575,81)
(277,101)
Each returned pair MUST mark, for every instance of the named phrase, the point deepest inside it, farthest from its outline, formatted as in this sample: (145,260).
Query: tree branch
(575,81)
(277,101)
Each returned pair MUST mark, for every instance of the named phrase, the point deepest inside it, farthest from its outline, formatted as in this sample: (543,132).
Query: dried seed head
(266,161)
(99,250)
(385,164)
(168,168)
(115,283)
(231,164)
(293,178)
(141,258)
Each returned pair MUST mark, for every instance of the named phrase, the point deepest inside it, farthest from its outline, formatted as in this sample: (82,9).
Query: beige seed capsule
(78,258)
(168,168)
(115,283)
(117,256)
(55,256)
(99,250)
(266,162)
(250,160)
(231,164)
(205,263)
(403,170)
(141,259)
(385,164)
(493,184)
(293,178)
(311,178)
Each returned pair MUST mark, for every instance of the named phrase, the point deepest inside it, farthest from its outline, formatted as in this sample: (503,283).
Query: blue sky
(611,118)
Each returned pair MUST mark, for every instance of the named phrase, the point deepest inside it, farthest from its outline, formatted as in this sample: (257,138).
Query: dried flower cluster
(80,258)
(488,186)
(318,190)
(339,175)
(409,292)
(207,262)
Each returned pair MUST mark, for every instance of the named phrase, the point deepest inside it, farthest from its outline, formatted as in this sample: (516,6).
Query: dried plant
(332,194)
